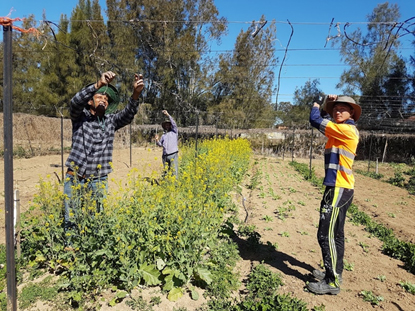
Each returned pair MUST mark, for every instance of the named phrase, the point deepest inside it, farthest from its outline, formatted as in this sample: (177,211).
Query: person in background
(340,151)
(94,122)
(169,142)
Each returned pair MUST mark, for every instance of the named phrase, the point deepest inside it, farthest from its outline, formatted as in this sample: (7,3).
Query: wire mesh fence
(38,135)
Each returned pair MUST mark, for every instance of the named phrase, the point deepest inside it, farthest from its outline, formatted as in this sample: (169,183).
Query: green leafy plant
(348,266)
(409,287)
(370,297)
(44,291)
(249,231)
(154,235)
(364,246)
(401,250)
(139,304)
(398,180)
(263,282)
(369,174)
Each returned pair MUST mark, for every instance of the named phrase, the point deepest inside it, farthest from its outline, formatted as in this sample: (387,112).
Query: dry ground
(297,250)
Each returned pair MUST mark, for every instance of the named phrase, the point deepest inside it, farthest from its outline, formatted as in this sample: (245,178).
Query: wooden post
(377,165)
(311,150)
(292,146)
(384,150)
(370,151)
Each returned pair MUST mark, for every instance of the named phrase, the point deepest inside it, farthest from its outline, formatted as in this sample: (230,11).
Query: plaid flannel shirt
(93,137)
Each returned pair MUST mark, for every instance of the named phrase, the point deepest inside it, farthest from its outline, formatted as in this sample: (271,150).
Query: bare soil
(297,252)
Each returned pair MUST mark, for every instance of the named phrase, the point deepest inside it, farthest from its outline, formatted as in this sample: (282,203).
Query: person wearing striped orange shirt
(340,151)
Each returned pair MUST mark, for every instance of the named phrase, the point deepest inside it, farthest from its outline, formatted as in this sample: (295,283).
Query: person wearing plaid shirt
(94,123)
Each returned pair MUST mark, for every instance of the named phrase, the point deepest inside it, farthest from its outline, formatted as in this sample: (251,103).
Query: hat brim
(356,108)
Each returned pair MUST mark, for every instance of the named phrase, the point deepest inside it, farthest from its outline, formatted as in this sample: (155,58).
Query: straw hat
(347,100)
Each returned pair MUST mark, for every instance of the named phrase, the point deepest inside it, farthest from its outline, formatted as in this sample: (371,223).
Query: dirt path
(284,209)
(298,251)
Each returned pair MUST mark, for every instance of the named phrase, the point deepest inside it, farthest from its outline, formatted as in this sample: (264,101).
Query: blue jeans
(171,162)
(73,201)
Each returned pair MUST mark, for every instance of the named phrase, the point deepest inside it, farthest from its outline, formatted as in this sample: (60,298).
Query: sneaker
(322,288)
(320,275)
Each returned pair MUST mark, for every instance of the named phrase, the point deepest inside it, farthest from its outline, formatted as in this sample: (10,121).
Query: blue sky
(307,57)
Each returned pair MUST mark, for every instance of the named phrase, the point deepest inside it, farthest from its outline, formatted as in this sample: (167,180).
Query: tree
(26,69)
(58,83)
(245,80)
(298,114)
(171,48)
(376,71)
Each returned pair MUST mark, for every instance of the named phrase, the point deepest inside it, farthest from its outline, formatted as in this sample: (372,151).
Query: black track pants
(330,234)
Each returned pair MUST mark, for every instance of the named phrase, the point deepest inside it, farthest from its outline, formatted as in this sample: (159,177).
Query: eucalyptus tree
(245,79)
(376,72)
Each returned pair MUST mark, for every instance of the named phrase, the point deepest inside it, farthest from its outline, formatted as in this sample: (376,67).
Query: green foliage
(262,286)
(255,180)
(398,180)
(284,302)
(44,291)
(297,114)
(373,70)
(370,297)
(348,266)
(139,304)
(319,308)
(401,250)
(262,282)
(169,235)
(411,185)
(304,170)
(242,101)
(409,287)
(249,232)
(369,174)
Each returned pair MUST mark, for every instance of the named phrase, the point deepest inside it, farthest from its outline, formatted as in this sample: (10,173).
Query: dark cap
(113,97)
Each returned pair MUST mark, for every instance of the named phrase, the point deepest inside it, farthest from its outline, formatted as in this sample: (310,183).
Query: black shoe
(320,275)
(322,288)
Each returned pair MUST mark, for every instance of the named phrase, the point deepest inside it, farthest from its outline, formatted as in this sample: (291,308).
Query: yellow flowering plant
(163,233)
